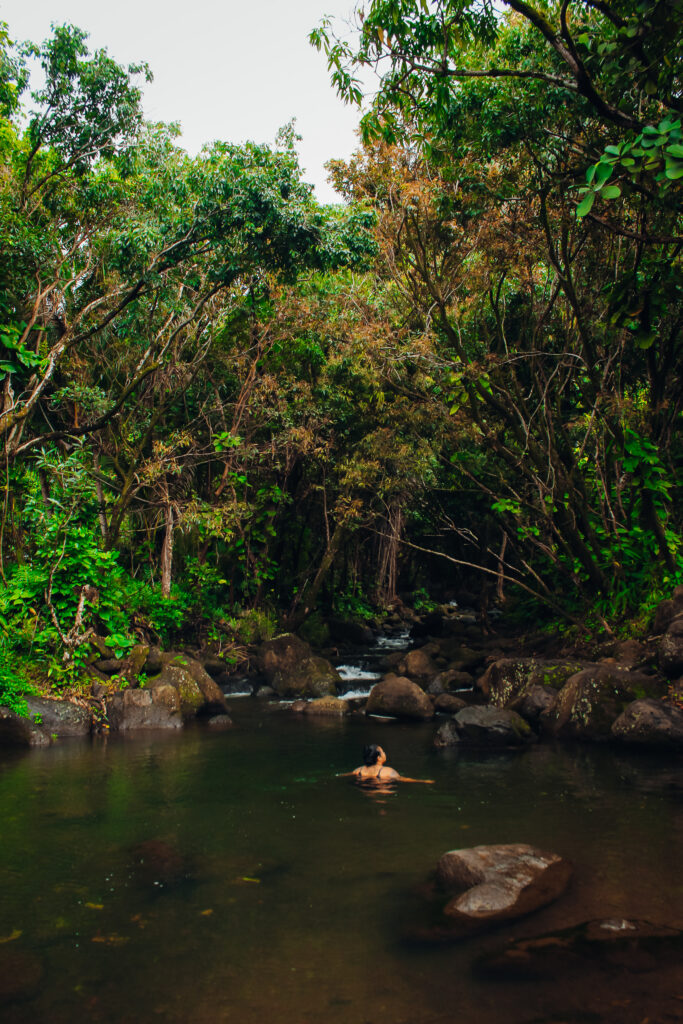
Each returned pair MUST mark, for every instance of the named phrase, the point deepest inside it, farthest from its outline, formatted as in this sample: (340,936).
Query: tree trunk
(167,550)
(302,609)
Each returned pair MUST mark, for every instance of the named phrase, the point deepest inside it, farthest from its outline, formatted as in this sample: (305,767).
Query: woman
(375,769)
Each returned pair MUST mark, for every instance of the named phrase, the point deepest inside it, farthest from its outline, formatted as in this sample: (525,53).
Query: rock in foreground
(614,943)
(499,883)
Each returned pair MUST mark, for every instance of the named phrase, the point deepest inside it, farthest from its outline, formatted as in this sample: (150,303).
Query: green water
(302,887)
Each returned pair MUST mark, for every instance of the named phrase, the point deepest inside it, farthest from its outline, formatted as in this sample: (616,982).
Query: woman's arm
(426,782)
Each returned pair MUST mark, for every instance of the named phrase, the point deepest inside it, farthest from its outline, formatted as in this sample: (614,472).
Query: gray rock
(667,611)
(157,708)
(485,726)
(327,706)
(448,704)
(290,667)
(508,680)
(399,697)
(496,884)
(670,650)
(650,723)
(17,731)
(60,717)
(220,722)
(449,681)
(536,702)
(419,664)
(265,693)
(198,693)
(593,699)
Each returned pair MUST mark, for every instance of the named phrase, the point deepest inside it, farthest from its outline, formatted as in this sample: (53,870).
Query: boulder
(483,726)
(630,652)
(157,708)
(154,662)
(670,650)
(17,731)
(536,702)
(138,657)
(220,722)
(198,693)
(667,611)
(329,706)
(60,717)
(290,667)
(650,723)
(459,657)
(449,681)
(609,944)
(508,680)
(400,698)
(418,665)
(496,884)
(591,700)
(448,704)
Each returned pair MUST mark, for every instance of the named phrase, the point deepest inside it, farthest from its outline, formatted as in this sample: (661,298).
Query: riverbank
(481,684)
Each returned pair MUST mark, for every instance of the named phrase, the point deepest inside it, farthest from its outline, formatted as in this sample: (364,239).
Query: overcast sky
(232,70)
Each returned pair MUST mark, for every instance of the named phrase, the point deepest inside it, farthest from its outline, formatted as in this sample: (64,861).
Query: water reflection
(294,888)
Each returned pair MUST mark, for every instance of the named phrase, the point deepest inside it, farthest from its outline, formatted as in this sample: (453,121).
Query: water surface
(285,894)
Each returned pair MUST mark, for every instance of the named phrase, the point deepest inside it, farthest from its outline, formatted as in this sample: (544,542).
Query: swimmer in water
(376,770)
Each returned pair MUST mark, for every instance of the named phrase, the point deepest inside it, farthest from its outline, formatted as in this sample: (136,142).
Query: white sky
(232,70)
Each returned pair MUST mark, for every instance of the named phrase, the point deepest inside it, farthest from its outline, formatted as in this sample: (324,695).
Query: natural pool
(303,887)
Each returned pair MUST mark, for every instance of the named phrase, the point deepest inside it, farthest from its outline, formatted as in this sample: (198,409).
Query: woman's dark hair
(370,754)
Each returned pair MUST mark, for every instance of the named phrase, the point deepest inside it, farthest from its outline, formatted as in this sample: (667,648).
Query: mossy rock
(507,682)
(591,701)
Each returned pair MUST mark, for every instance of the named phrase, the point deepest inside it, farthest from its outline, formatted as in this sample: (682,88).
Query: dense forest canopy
(225,406)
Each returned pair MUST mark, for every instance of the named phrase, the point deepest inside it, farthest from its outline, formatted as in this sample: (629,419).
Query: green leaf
(586,204)
(611,192)
(674,169)
(603,172)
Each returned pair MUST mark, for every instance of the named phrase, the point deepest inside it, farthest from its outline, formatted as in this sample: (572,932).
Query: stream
(231,876)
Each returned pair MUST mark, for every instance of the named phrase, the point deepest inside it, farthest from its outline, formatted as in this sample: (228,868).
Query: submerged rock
(156,862)
(330,706)
(486,727)
(650,723)
(220,722)
(613,943)
(499,883)
(399,697)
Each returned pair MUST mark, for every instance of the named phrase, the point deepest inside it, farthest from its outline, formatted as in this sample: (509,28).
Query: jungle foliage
(224,405)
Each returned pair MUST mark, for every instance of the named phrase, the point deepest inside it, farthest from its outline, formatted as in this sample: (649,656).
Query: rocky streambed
(493,691)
